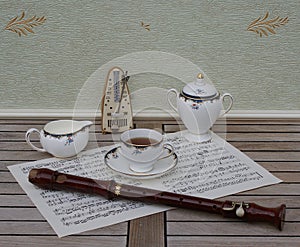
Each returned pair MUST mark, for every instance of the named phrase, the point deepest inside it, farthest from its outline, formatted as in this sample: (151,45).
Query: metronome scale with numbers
(116,104)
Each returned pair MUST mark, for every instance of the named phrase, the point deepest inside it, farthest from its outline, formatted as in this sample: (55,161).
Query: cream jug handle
(230,104)
(27,138)
(173,90)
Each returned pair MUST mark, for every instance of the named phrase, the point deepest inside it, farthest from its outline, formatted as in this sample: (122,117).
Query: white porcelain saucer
(117,162)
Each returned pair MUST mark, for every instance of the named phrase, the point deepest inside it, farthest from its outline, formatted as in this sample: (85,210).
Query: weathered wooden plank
(231,136)
(24,127)
(274,156)
(70,241)
(269,121)
(42,121)
(20,214)
(288,177)
(12,214)
(97,120)
(291,166)
(292,215)
(24,121)
(20,136)
(268,142)
(255,137)
(19,127)
(29,155)
(23,146)
(15,201)
(6,177)
(43,228)
(276,189)
(231,228)
(266,137)
(221,127)
(13,136)
(258,128)
(147,231)
(246,128)
(5,164)
(16,146)
(229,241)
(11,188)
(238,122)
(267,146)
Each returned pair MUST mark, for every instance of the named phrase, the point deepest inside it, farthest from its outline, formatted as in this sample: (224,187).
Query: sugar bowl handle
(27,138)
(172,91)
(230,104)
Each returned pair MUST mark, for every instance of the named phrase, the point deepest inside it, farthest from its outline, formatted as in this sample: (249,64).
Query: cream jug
(199,105)
(62,138)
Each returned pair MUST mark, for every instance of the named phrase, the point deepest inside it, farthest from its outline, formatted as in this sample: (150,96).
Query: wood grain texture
(30,227)
(74,241)
(293,215)
(274,144)
(291,229)
(147,231)
(229,241)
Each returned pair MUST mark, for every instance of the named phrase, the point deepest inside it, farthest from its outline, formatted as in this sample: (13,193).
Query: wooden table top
(274,144)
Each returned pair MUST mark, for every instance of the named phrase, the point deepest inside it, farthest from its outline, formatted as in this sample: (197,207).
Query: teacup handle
(27,138)
(169,147)
(173,90)
(230,104)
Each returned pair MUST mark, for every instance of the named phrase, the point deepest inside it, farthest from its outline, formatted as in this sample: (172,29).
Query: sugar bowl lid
(199,89)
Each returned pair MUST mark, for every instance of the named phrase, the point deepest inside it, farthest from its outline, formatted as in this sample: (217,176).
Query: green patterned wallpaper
(49,49)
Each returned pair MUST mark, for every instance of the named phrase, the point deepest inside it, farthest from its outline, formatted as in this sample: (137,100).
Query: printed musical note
(212,169)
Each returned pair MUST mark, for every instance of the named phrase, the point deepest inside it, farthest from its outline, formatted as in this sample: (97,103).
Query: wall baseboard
(149,114)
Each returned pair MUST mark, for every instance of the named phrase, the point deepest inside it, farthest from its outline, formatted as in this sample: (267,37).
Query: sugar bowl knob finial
(200,76)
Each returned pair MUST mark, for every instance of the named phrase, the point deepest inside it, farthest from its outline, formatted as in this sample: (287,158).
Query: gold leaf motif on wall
(146,26)
(263,26)
(22,26)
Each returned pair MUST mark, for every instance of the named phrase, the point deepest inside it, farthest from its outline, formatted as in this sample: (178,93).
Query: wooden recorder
(49,179)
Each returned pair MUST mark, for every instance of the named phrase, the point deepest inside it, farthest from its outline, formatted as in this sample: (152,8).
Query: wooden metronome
(116,105)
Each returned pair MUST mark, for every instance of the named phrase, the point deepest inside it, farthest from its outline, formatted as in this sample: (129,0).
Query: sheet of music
(211,170)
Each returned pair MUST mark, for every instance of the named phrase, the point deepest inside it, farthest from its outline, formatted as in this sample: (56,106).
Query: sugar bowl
(199,105)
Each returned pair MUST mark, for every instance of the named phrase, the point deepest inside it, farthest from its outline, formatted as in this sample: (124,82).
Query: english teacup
(143,148)
(62,138)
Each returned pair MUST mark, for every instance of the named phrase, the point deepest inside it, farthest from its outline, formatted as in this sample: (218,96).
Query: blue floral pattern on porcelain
(69,140)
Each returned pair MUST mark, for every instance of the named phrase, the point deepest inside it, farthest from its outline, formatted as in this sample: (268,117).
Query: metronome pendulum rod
(124,80)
